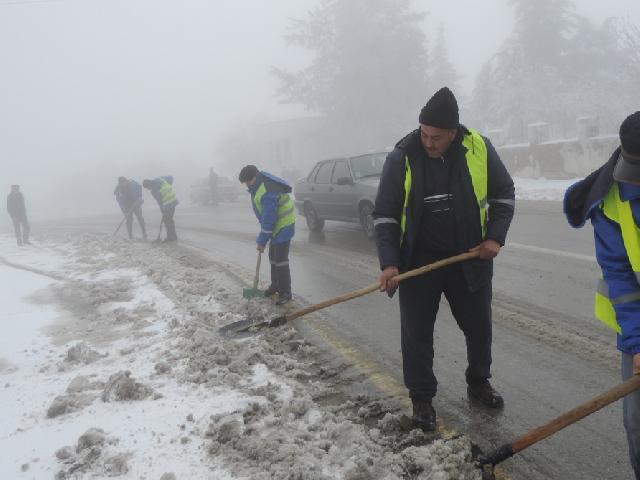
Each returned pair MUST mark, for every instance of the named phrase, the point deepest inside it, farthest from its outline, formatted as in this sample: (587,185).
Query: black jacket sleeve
(500,195)
(387,212)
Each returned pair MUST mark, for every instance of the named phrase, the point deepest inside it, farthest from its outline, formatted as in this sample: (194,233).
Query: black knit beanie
(247,173)
(630,136)
(441,111)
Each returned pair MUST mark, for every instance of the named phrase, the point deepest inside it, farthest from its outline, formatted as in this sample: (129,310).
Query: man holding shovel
(275,210)
(161,189)
(129,196)
(610,198)
(435,192)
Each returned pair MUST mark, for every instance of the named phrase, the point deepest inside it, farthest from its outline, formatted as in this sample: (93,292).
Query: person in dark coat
(610,198)
(129,197)
(18,213)
(443,191)
(213,187)
(161,189)
(275,210)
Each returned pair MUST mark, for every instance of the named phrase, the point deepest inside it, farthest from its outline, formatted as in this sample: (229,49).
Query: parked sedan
(341,189)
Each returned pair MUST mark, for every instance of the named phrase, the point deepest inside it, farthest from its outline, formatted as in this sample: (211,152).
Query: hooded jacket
(582,201)
(15,205)
(129,196)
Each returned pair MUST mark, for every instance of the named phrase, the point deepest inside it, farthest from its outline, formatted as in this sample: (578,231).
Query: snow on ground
(111,364)
(541,188)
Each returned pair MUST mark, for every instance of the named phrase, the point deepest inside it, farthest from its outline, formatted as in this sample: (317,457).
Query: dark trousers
(21,228)
(419,302)
(138,213)
(169,224)
(631,415)
(280,273)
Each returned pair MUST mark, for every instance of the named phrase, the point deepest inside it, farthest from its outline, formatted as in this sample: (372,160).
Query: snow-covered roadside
(541,188)
(132,357)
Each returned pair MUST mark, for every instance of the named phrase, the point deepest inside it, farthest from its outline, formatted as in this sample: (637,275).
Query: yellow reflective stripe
(408,180)
(606,313)
(477,165)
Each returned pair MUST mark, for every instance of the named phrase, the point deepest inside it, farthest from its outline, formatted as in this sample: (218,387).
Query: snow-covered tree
(368,72)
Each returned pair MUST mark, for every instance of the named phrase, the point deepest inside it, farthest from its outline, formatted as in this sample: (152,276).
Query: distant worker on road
(275,210)
(213,187)
(162,190)
(129,196)
(443,191)
(610,198)
(18,213)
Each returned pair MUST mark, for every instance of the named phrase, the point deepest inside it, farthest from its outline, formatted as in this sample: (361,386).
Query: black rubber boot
(484,393)
(271,291)
(284,285)
(424,415)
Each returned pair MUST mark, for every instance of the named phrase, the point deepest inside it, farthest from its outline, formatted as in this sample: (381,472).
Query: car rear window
(324,173)
(368,165)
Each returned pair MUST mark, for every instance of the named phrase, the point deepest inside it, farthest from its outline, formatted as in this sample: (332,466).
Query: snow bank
(133,380)
(541,188)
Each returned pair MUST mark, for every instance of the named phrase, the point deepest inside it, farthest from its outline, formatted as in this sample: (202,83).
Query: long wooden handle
(375,286)
(578,413)
(257,277)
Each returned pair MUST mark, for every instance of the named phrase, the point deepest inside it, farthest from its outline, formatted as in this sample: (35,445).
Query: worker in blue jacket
(610,198)
(275,210)
(129,197)
(162,190)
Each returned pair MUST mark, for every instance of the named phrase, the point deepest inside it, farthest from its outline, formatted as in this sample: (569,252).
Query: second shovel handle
(375,286)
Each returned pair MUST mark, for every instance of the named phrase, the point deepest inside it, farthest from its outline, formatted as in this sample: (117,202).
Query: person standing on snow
(435,191)
(610,198)
(213,187)
(274,207)
(161,189)
(18,213)
(129,196)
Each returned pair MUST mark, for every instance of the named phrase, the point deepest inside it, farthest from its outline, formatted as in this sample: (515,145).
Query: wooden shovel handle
(578,413)
(376,286)
(257,277)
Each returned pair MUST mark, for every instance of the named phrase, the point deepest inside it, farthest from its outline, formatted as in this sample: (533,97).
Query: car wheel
(314,223)
(366,220)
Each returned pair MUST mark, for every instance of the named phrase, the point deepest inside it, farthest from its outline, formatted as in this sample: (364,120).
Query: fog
(94,89)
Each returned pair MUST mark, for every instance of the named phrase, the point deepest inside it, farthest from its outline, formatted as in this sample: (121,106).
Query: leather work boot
(485,394)
(283,298)
(271,291)
(424,416)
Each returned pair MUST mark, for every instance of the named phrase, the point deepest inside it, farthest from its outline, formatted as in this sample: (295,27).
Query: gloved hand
(260,248)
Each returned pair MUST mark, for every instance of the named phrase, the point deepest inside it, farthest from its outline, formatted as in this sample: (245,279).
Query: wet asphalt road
(550,354)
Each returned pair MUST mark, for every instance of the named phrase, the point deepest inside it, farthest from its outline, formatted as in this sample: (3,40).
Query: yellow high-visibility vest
(477,160)
(286,209)
(619,211)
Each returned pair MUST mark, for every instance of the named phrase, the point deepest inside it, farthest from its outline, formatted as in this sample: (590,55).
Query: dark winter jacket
(129,196)
(15,205)
(581,202)
(390,200)
(276,187)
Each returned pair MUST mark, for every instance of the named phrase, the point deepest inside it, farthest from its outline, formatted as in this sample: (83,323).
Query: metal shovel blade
(252,293)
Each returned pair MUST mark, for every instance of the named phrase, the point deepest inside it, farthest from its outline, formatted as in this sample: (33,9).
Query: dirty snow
(114,367)
(541,188)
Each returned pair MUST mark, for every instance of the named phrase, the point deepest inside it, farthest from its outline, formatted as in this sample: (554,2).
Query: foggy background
(94,89)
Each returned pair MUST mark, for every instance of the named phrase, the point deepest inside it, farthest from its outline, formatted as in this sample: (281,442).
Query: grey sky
(92,89)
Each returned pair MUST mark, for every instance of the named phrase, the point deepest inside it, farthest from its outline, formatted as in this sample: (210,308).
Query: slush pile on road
(135,381)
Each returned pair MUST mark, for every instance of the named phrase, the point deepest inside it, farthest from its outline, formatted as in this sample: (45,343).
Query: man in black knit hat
(433,202)
(610,198)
